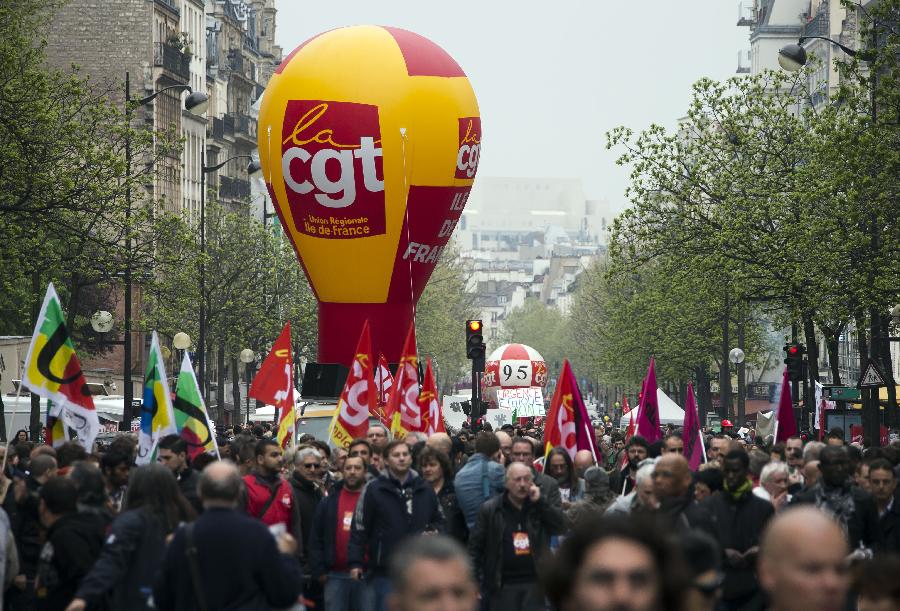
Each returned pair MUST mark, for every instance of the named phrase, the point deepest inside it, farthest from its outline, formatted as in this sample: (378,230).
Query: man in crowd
(505,446)
(173,454)
(329,540)
(226,559)
(718,447)
(802,561)
(269,497)
(672,489)
(617,564)
(26,525)
(883,487)
(523,452)
(432,573)
(584,460)
(851,506)
(306,482)
(597,498)
(637,449)
(73,542)
(480,478)
(510,540)
(440,442)
(396,505)
(739,518)
(377,436)
(642,498)
(363,449)
(773,485)
(673,444)
(116,465)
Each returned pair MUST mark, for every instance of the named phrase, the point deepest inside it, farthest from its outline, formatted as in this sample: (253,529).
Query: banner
(403,407)
(691,435)
(523,402)
(568,425)
(648,414)
(384,381)
(157,417)
(429,406)
(191,417)
(358,399)
(274,385)
(52,371)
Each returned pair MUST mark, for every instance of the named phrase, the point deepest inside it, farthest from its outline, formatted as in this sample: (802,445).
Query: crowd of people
(479,519)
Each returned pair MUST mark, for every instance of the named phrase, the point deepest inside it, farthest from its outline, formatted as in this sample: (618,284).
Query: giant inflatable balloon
(369,139)
(512,366)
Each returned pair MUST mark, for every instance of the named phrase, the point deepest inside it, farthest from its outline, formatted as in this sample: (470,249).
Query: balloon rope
(408,239)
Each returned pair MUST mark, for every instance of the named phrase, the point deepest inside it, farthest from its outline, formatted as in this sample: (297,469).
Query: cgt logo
(469,147)
(332,151)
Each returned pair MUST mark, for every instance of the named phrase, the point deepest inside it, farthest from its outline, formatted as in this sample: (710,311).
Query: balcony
(817,26)
(743,66)
(244,126)
(233,188)
(746,16)
(171,5)
(169,58)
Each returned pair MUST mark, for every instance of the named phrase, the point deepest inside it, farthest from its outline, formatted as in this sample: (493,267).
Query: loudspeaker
(323,381)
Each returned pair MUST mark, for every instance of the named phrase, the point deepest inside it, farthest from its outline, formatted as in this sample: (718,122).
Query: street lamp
(247,357)
(737,356)
(253,169)
(195,103)
(793,57)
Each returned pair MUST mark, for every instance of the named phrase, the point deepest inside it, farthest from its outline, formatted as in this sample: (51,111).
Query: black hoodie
(73,544)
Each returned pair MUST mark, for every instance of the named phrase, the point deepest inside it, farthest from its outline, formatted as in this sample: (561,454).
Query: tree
(543,328)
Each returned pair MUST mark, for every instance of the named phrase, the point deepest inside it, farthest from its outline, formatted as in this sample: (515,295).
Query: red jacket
(281,509)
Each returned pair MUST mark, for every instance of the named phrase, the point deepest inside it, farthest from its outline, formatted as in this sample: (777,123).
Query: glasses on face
(312,465)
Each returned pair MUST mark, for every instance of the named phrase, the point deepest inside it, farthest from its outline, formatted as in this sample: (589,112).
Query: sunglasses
(312,466)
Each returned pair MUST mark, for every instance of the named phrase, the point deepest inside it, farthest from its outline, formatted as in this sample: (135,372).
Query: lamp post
(247,358)
(253,168)
(195,103)
(181,341)
(737,356)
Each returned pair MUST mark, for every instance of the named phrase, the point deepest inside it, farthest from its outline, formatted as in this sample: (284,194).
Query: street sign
(871,377)
(842,393)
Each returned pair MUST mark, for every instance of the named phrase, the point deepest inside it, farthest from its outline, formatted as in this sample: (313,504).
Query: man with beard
(852,507)
(622,482)
(330,537)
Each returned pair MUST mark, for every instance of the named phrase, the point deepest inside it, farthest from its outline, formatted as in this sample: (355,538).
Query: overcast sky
(552,77)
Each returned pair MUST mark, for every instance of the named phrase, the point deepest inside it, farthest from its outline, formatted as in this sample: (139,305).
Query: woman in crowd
(126,569)
(436,470)
(560,468)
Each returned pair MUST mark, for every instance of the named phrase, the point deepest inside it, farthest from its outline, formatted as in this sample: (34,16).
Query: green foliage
(543,328)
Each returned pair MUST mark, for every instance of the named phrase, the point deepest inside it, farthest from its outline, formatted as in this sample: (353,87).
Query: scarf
(740,491)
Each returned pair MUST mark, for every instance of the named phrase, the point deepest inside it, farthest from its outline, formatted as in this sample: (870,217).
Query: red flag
(358,399)
(648,414)
(785,425)
(429,404)
(403,408)
(561,429)
(384,381)
(690,434)
(274,384)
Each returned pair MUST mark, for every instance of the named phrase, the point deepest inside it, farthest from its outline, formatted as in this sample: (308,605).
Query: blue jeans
(381,587)
(345,594)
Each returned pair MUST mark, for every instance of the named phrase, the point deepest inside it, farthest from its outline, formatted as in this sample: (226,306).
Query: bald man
(440,442)
(672,488)
(802,561)
(510,540)
(505,446)
(584,460)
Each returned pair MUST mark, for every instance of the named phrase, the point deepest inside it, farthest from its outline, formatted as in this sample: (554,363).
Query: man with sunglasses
(307,486)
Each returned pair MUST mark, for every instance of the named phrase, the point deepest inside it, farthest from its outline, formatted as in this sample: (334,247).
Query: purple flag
(584,433)
(648,416)
(785,424)
(690,434)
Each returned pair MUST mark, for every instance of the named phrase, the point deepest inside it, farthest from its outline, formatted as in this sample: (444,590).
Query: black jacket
(620,478)
(486,540)
(549,488)
(320,554)
(387,513)
(453,515)
(890,528)
(26,526)
(862,520)
(187,482)
(239,566)
(738,524)
(307,497)
(73,544)
(684,513)
(128,562)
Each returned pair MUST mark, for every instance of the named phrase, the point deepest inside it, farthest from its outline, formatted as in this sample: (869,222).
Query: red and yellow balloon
(369,139)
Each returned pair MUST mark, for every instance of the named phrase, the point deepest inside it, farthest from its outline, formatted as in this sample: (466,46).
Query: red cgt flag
(274,384)
(403,407)
(384,381)
(429,405)
(561,429)
(359,397)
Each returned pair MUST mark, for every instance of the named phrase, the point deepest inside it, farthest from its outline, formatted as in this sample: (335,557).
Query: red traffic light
(793,350)
(474,326)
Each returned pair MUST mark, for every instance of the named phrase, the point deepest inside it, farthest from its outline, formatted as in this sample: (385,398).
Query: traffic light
(796,366)
(474,340)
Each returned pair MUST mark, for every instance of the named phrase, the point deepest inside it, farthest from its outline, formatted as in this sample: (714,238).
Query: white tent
(669,412)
